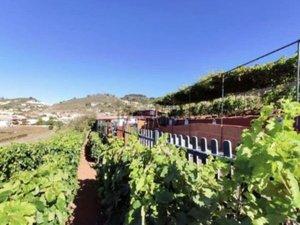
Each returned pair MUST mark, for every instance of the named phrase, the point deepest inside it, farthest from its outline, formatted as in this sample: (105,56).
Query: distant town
(31,112)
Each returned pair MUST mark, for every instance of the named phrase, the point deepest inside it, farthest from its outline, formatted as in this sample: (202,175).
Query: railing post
(214,146)
(187,141)
(175,138)
(298,82)
(152,140)
(180,140)
(203,144)
(156,136)
(147,139)
(170,139)
(298,70)
(194,142)
(227,148)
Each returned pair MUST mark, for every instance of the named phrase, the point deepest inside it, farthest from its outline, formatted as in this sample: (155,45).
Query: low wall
(237,120)
(209,131)
(234,120)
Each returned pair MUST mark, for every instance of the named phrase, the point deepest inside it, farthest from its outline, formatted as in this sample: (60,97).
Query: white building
(32,121)
(5,121)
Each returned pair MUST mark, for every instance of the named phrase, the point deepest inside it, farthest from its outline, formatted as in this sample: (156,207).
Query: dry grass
(24,134)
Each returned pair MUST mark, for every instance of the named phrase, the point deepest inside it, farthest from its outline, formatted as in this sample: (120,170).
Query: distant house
(118,120)
(18,120)
(108,118)
(46,118)
(32,121)
(68,117)
(5,121)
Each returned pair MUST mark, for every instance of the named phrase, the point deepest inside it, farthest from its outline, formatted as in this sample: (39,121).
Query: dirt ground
(22,133)
(86,204)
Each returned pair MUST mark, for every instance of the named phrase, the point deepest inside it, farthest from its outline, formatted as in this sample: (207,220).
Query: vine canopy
(241,80)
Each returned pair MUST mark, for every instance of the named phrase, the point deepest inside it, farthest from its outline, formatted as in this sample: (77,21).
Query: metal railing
(198,149)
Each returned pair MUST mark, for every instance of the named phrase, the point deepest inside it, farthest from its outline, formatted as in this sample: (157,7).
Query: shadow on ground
(87,211)
(87,154)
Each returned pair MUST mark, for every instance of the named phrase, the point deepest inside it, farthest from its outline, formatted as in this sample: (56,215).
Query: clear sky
(58,49)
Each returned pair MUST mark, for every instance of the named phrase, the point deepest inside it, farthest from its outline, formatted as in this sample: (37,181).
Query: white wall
(4,123)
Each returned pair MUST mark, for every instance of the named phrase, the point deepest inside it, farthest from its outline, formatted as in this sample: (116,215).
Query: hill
(137,98)
(97,103)
(104,103)
(22,105)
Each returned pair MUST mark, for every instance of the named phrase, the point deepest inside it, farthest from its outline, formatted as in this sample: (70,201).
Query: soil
(87,204)
(24,134)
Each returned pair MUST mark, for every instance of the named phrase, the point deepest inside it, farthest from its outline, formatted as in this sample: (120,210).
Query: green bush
(245,79)
(233,105)
(157,186)
(38,181)
(139,185)
(265,185)
(113,177)
(96,146)
(82,124)
(280,91)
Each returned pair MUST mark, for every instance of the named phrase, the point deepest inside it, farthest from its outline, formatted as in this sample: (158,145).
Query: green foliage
(82,124)
(17,212)
(157,186)
(275,94)
(267,169)
(40,121)
(38,181)
(233,105)
(113,176)
(238,81)
(139,185)
(18,157)
(168,189)
(96,146)
(181,111)
(52,123)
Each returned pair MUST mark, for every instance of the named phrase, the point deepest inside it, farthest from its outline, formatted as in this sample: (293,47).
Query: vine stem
(143,215)
(239,201)
(285,184)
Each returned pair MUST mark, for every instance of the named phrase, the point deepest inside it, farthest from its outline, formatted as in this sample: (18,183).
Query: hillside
(98,103)
(104,103)
(22,105)
(143,99)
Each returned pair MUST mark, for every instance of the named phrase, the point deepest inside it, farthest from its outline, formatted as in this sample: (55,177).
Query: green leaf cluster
(265,185)
(237,105)
(139,185)
(232,105)
(40,189)
(241,80)
(96,146)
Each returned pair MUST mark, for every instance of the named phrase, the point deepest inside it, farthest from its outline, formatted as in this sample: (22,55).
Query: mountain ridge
(93,103)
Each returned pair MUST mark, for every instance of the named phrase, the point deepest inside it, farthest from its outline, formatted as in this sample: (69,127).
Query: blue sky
(57,49)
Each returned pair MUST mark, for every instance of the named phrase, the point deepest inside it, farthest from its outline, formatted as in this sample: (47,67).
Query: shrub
(140,185)
(38,181)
